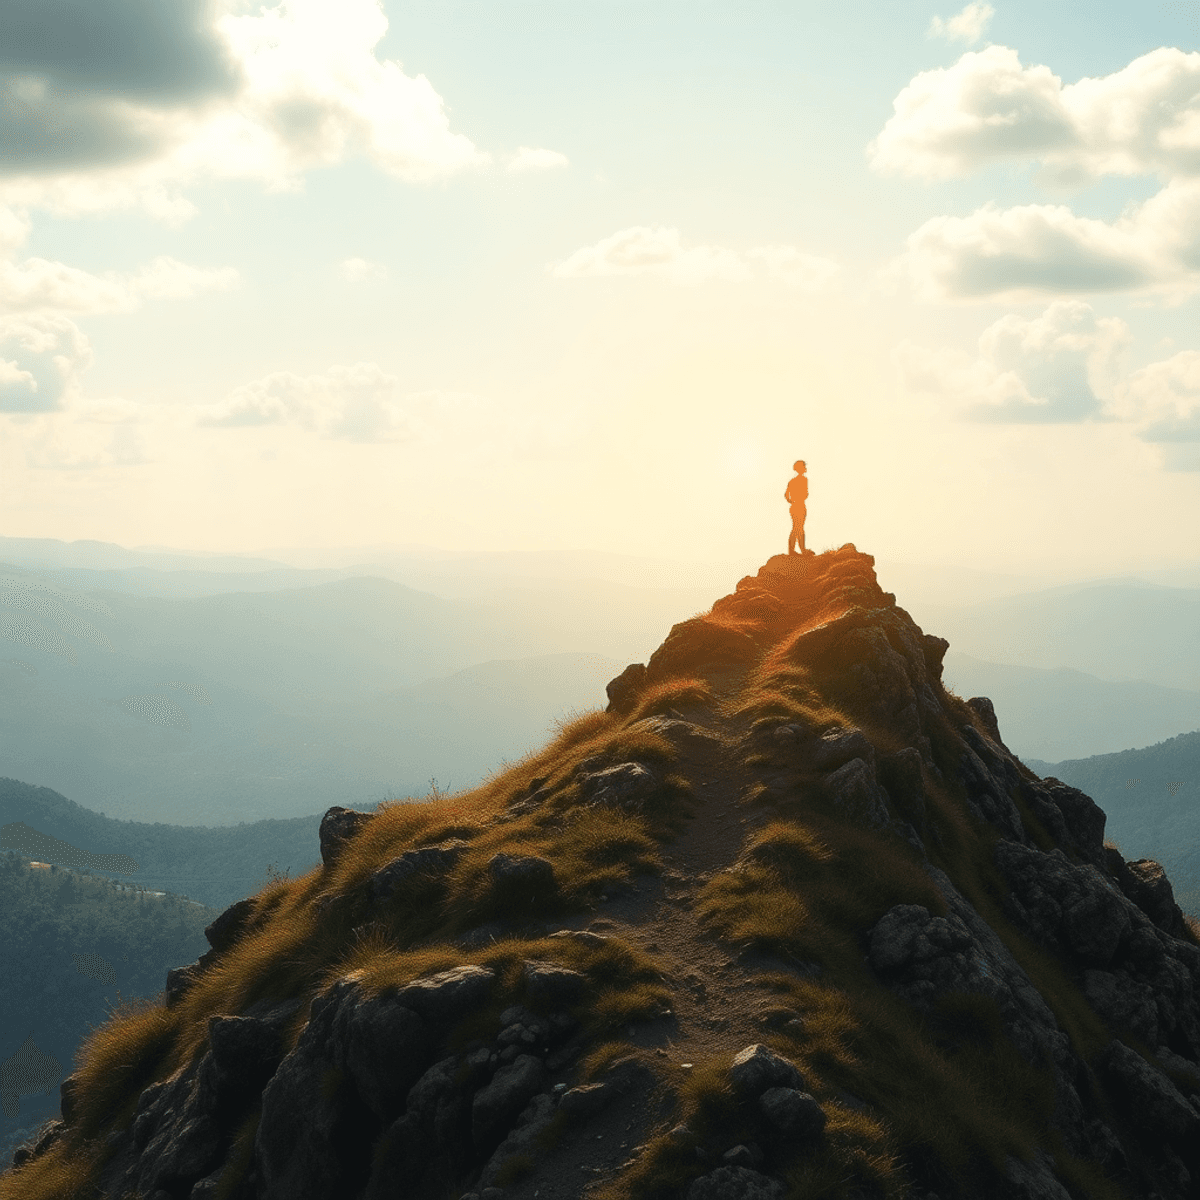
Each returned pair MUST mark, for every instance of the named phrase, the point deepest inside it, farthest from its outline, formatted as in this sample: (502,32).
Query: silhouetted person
(796,494)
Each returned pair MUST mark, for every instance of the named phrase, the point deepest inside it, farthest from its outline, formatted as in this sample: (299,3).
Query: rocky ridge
(828,860)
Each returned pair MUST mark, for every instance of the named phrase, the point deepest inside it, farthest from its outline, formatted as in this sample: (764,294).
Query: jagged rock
(550,986)
(424,860)
(902,779)
(699,644)
(681,734)
(735,1183)
(1151,891)
(1151,1100)
(448,996)
(511,1088)
(987,793)
(521,876)
(1123,1002)
(623,691)
(627,786)
(1065,907)
(228,928)
(793,1113)
(854,790)
(987,714)
(1084,818)
(339,826)
(530,1125)
(839,746)
(758,1067)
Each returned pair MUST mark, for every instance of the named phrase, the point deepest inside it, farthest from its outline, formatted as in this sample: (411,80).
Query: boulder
(587,1099)
(443,999)
(838,746)
(627,786)
(758,1068)
(1123,1002)
(550,986)
(624,690)
(1149,1098)
(338,827)
(1151,891)
(735,1183)
(521,877)
(986,711)
(428,861)
(225,931)
(857,795)
(792,1113)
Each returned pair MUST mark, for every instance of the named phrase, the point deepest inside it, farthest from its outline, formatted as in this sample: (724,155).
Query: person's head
(799,467)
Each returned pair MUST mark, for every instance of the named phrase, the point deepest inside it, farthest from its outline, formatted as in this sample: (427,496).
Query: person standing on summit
(796,494)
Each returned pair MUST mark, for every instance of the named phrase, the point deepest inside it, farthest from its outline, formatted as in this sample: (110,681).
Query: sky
(590,275)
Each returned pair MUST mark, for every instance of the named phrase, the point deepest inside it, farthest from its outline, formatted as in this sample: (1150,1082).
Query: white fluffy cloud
(1060,366)
(1163,400)
(532,158)
(358,403)
(987,107)
(967,26)
(660,252)
(1035,250)
(277,92)
(40,360)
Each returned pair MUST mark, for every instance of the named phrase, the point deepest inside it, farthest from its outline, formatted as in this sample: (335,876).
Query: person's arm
(787,493)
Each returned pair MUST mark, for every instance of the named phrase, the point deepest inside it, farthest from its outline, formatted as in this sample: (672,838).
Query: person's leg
(792,542)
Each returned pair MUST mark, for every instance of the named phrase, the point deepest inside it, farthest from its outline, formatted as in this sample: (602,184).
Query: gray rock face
(626,786)
(758,1067)
(550,986)
(793,1113)
(521,876)
(496,1105)
(624,690)
(427,861)
(840,746)
(339,826)
(736,1183)
(856,793)
(1151,1099)
(448,996)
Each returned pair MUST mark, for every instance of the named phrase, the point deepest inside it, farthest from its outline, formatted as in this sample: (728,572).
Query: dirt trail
(718,1007)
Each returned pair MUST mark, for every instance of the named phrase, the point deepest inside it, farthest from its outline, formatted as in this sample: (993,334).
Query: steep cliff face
(787,920)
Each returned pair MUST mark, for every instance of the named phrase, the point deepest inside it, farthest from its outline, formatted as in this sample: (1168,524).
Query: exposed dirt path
(718,1007)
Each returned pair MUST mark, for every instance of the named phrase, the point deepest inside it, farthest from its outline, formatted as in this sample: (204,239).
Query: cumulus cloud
(987,107)
(660,252)
(1163,400)
(40,361)
(1034,250)
(38,285)
(359,270)
(1061,366)
(357,403)
(967,26)
(530,158)
(266,95)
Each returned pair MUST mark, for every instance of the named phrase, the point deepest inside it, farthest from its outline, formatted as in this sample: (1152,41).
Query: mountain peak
(786,920)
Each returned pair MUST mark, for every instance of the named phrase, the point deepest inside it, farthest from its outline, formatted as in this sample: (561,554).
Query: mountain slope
(788,920)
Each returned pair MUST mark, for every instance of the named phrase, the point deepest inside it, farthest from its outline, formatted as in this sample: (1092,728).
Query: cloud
(357,403)
(40,361)
(1061,366)
(659,252)
(93,119)
(987,107)
(967,26)
(529,158)
(1034,250)
(1163,401)
(359,270)
(38,285)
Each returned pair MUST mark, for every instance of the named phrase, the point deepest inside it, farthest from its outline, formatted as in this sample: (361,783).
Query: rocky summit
(787,919)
